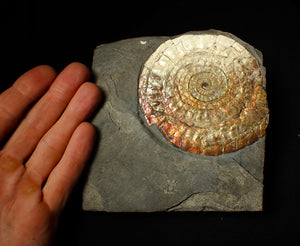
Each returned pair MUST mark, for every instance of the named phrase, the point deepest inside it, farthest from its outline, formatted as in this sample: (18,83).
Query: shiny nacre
(205,92)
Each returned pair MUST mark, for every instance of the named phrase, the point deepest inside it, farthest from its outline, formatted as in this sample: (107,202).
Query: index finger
(27,89)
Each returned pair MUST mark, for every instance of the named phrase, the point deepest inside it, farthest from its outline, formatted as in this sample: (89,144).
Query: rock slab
(136,170)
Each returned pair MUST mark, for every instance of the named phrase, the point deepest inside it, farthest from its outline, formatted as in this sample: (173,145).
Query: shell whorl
(205,93)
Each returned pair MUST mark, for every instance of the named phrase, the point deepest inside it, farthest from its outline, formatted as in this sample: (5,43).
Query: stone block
(135,169)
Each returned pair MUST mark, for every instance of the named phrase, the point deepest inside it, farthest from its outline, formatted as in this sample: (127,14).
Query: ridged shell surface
(205,93)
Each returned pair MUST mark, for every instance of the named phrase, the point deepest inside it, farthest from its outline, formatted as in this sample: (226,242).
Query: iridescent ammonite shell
(205,93)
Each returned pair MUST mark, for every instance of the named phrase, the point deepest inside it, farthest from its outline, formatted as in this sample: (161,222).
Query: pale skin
(45,143)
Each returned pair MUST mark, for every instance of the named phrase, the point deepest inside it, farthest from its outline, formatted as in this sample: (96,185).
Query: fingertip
(87,132)
(85,101)
(93,91)
(37,79)
(39,73)
(45,69)
(80,68)
(78,65)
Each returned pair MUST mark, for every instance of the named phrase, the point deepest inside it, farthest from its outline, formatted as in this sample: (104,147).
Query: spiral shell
(205,93)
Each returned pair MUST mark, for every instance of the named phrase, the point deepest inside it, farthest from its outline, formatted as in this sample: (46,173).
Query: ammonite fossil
(205,92)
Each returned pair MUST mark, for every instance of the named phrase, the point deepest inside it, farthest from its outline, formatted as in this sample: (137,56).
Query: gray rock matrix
(136,170)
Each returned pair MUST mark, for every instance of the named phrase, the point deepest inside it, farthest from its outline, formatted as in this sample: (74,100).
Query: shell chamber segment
(205,94)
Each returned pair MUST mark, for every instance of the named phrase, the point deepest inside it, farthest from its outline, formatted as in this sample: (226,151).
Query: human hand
(44,149)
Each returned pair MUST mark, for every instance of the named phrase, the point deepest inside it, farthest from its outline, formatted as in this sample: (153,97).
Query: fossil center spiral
(207,84)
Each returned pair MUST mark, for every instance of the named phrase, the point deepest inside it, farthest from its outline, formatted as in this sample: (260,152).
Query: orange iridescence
(205,93)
